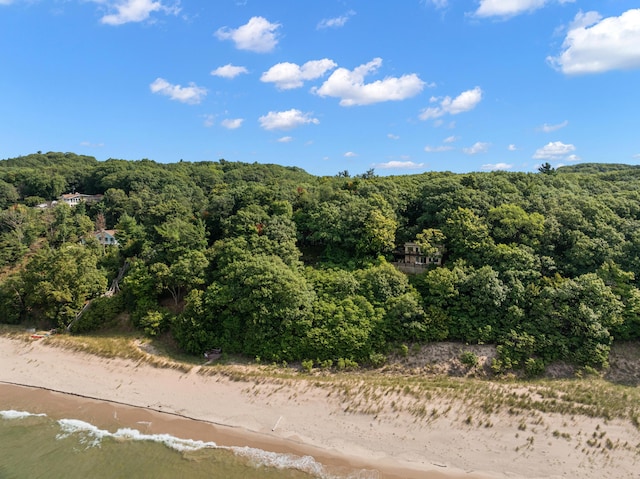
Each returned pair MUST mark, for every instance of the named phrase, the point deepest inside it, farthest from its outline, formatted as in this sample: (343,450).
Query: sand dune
(303,417)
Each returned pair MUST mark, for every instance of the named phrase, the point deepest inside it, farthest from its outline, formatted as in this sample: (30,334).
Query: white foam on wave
(92,436)
(260,457)
(12,414)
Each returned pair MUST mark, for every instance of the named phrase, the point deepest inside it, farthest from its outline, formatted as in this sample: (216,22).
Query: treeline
(277,264)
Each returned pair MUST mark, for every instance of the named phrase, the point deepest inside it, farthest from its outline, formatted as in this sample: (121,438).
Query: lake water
(37,446)
(60,444)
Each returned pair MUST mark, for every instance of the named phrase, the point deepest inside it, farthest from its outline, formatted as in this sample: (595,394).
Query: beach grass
(474,401)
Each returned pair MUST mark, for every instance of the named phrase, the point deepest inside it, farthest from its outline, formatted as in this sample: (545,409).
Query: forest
(278,265)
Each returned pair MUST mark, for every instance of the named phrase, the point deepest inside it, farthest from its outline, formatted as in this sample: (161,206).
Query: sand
(300,417)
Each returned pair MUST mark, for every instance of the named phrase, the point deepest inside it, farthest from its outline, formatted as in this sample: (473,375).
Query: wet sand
(300,418)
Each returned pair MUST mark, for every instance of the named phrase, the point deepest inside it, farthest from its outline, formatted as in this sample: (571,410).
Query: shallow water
(38,446)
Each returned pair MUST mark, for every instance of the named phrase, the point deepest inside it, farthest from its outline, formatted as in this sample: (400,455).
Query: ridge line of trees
(277,264)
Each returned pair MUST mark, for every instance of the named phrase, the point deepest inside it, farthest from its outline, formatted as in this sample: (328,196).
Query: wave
(92,436)
(13,414)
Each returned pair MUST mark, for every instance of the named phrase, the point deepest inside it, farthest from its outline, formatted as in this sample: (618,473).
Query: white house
(106,237)
(72,199)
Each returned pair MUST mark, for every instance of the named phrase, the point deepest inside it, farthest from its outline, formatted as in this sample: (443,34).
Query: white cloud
(512,147)
(496,166)
(636,157)
(573,158)
(553,151)
(289,75)
(258,35)
(402,165)
(6,2)
(510,8)
(437,149)
(127,11)
(450,139)
(350,154)
(286,120)
(285,139)
(465,101)
(87,144)
(229,71)
(232,123)
(595,45)
(391,136)
(438,3)
(337,22)
(209,120)
(478,147)
(349,86)
(191,94)
(550,128)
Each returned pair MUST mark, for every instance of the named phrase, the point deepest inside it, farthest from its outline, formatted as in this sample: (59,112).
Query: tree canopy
(272,262)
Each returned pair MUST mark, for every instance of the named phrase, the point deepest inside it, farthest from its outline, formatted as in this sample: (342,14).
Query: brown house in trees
(413,261)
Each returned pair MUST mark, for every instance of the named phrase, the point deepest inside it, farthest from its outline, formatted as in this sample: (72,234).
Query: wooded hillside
(277,264)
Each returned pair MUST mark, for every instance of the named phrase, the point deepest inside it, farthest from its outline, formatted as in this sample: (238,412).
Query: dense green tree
(8,194)
(467,236)
(58,282)
(264,308)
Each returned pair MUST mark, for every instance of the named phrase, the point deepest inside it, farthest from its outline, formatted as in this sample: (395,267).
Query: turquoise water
(38,446)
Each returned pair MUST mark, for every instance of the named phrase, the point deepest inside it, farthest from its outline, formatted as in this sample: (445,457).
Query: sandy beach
(303,418)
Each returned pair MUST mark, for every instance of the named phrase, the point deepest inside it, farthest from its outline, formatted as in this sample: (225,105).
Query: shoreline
(299,418)
(111,416)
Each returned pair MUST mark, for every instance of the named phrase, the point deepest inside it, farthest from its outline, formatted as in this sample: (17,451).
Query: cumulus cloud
(465,101)
(496,166)
(401,165)
(510,8)
(512,147)
(191,94)
(289,75)
(258,35)
(391,136)
(127,11)
(437,149)
(350,154)
(285,139)
(232,123)
(478,147)
(550,128)
(553,151)
(350,87)
(337,22)
(596,45)
(229,71)
(450,139)
(286,120)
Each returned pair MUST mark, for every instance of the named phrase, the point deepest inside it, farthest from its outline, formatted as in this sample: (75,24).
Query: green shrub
(377,359)
(307,365)
(534,367)
(469,359)
(100,313)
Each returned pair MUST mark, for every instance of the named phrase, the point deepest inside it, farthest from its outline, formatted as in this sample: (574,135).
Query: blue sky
(401,86)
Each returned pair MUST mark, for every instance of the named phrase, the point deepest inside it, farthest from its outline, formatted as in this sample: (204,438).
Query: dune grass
(475,401)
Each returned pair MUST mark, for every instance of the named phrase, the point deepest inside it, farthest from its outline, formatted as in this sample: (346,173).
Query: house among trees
(106,237)
(413,261)
(72,199)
